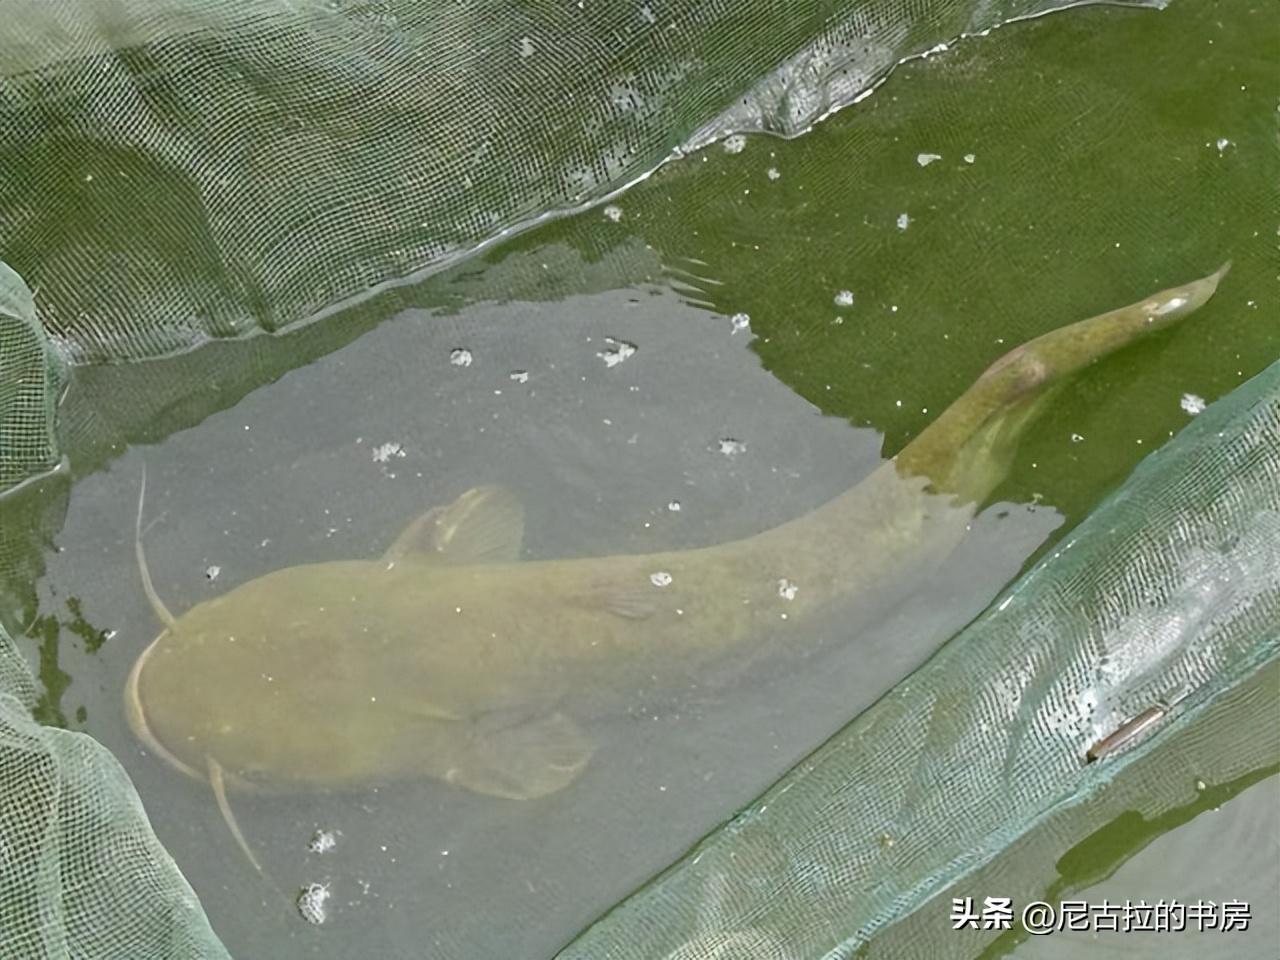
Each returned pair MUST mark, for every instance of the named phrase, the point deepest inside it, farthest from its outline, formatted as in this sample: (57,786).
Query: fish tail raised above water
(967,450)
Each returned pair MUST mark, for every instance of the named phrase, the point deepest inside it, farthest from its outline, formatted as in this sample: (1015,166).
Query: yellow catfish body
(449,658)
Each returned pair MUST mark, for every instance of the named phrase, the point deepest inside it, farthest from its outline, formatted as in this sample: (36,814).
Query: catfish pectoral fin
(522,761)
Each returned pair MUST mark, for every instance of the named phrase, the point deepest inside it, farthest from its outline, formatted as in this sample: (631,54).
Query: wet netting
(174,176)
(1165,602)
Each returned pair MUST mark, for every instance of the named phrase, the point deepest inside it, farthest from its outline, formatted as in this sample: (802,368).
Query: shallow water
(597,454)
(1224,853)
(333,459)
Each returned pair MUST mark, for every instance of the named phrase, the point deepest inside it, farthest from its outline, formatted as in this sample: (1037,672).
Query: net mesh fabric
(1168,594)
(270,160)
(84,876)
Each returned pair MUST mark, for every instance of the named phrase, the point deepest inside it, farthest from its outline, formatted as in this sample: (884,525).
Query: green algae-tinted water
(1083,161)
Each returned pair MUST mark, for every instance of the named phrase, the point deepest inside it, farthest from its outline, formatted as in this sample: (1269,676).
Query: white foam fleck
(384,452)
(844,298)
(904,221)
(730,447)
(924,159)
(460,357)
(740,321)
(660,578)
(322,841)
(613,212)
(616,351)
(1192,403)
(311,902)
(786,589)
(735,144)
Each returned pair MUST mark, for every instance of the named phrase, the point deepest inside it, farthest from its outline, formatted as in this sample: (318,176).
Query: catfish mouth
(138,720)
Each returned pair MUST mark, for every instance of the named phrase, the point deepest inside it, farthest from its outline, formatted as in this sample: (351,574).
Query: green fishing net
(970,772)
(181,178)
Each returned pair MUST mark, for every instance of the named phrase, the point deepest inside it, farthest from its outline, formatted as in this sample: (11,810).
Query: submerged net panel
(83,875)
(178,171)
(1168,594)
(32,375)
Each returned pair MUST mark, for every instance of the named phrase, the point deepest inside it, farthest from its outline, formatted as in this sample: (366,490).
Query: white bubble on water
(970,157)
(660,579)
(519,376)
(460,357)
(322,841)
(924,159)
(735,144)
(1192,403)
(740,321)
(904,221)
(613,212)
(773,173)
(212,571)
(844,298)
(674,506)
(311,902)
(384,452)
(787,590)
(616,351)
(731,447)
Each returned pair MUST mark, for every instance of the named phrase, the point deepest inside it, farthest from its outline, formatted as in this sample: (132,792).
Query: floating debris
(1192,403)
(460,357)
(660,579)
(526,47)
(904,221)
(844,298)
(322,841)
(740,321)
(924,159)
(1076,438)
(311,902)
(519,376)
(616,351)
(674,506)
(384,453)
(970,157)
(1223,143)
(773,173)
(613,212)
(211,572)
(735,144)
(730,447)
(786,589)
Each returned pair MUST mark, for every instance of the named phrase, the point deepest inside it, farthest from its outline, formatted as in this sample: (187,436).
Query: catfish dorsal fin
(484,525)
